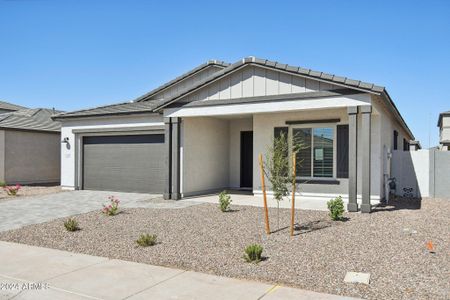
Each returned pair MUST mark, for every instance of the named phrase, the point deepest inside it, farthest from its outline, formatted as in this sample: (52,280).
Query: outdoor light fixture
(65,140)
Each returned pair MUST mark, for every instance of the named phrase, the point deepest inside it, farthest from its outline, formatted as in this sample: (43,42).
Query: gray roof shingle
(9,106)
(36,119)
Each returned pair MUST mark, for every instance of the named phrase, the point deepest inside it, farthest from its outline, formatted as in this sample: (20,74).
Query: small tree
(277,167)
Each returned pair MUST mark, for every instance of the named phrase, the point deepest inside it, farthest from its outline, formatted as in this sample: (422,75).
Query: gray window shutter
(342,151)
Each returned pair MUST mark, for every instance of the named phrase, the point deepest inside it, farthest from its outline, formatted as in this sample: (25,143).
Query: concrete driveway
(38,209)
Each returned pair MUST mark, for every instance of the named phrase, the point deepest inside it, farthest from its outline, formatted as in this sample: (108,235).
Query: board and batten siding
(185,83)
(253,81)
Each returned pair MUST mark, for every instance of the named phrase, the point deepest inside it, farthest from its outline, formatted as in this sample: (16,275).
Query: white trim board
(266,107)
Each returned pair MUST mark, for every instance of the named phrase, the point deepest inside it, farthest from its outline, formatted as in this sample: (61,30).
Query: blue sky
(77,54)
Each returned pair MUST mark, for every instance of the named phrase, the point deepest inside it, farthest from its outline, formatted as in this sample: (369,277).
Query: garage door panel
(124,163)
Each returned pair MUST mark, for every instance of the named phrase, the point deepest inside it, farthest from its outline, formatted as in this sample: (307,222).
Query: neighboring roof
(114,109)
(441,115)
(36,119)
(9,106)
(197,69)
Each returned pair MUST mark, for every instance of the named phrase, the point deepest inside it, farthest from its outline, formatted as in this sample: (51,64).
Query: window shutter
(342,151)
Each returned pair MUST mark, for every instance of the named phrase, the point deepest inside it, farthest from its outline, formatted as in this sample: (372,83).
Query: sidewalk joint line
(272,289)
(81,268)
(156,284)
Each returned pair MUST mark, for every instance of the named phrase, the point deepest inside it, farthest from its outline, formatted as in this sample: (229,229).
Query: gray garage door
(128,163)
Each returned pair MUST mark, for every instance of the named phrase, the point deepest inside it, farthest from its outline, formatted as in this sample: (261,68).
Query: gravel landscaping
(390,244)
(30,190)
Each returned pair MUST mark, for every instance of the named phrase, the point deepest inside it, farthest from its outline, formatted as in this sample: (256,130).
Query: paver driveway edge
(102,278)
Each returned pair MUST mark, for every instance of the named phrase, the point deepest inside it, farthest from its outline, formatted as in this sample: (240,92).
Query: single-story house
(29,145)
(444,130)
(204,130)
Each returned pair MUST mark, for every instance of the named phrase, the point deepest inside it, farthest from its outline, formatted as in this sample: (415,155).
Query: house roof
(9,106)
(36,119)
(156,105)
(441,115)
(124,108)
(209,63)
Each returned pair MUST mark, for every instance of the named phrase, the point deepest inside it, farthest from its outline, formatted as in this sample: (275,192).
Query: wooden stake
(293,194)
(263,186)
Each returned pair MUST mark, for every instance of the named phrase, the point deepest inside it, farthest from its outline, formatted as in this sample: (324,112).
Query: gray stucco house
(203,131)
(29,145)
(444,130)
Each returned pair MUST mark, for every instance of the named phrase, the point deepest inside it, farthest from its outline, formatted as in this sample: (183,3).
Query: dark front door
(247,159)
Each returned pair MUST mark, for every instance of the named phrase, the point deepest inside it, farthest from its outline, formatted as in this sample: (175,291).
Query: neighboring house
(204,131)
(444,130)
(29,147)
(9,107)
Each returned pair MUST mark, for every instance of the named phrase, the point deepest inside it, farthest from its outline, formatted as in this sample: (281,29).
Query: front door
(246,159)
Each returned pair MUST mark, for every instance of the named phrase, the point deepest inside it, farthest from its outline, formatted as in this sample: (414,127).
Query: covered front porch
(216,147)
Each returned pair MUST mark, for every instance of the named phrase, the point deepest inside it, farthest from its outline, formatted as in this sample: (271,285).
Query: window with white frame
(316,154)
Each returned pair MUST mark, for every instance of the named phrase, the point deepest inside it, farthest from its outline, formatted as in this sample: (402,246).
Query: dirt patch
(390,244)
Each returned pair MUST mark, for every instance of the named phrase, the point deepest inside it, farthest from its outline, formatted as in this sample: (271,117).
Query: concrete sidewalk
(28,272)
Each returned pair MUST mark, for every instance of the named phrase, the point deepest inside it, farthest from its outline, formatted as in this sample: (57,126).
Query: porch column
(176,195)
(366,112)
(352,205)
(168,158)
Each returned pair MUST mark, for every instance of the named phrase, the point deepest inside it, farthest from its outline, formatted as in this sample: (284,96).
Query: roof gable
(255,81)
(284,68)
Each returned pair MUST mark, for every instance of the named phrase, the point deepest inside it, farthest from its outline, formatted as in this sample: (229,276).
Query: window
(405,145)
(316,154)
(395,140)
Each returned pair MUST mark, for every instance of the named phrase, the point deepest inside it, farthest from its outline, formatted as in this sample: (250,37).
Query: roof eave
(397,113)
(73,117)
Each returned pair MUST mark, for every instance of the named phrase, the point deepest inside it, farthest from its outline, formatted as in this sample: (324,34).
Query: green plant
(71,224)
(2,184)
(224,201)
(146,240)
(336,207)
(113,208)
(253,253)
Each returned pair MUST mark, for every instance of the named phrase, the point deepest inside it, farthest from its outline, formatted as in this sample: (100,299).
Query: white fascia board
(267,107)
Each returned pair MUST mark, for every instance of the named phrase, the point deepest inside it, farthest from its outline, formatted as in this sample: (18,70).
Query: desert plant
(146,240)
(253,253)
(71,224)
(111,209)
(224,201)
(12,190)
(336,207)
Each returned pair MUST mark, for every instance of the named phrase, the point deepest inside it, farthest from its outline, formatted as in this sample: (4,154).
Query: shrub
(113,208)
(336,207)
(71,224)
(224,201)
(2,184)
(253,253)
(146,240)
(12,190)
